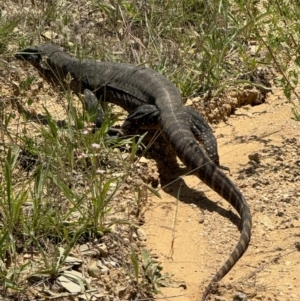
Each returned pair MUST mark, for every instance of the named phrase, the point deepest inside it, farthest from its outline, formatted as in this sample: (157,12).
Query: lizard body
(142,91)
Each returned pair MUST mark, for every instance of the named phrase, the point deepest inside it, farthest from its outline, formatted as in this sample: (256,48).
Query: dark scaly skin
(142,115)
(131,87)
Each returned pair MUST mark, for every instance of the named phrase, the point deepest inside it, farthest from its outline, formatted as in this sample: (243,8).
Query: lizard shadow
(170,175)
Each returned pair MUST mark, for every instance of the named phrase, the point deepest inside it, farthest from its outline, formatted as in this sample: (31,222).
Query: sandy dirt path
(194,236)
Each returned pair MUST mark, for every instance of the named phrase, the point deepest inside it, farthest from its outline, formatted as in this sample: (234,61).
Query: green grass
(67,191)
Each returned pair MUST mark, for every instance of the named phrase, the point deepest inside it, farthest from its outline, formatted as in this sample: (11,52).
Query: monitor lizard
(142,91)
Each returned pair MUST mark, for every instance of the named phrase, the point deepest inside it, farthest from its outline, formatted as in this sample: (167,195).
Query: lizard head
(31,55)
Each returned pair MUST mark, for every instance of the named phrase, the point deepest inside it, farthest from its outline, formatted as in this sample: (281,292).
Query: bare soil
(193,237)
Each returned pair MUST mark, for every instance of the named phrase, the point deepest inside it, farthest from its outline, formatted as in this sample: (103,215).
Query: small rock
(103,249)
(104,269)
(143,160)
(141,234)
(286,198)
(126,240)
(94,271)
(50,35)
(278,158)
(253,50)
(189,102)
(113,263)
(239,296)
(217,298)
(254,157)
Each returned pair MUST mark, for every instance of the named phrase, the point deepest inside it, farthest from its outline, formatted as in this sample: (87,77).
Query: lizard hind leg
(204,135)
(143,117)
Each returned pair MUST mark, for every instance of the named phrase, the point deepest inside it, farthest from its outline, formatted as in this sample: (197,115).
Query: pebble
(103,249)
(104,270)
(286,198)
(144,160)
(94,271)
(218,298)
(239,296)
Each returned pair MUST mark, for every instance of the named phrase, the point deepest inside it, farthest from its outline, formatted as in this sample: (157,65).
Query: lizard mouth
(29,54)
